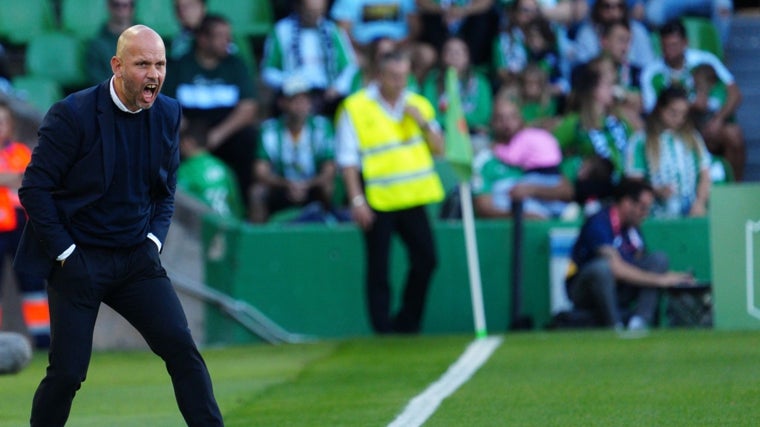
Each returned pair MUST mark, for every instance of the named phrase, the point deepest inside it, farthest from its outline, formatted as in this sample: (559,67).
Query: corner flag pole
(473,263)
(459,156)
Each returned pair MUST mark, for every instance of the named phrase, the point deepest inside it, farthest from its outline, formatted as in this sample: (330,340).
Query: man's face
(612,10)
(636,211)
(140,71)
(217,41)
(189,12)
(506,121)
(393,78)
(312,10)
(298,105)
(121,10)
(673,47)
(616,43)
(455,54)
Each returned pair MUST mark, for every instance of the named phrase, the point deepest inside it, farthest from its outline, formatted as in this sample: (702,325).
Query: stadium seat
(20,21)
(56,55)
(248,17)
(83,18)
(244,49)
(40,92)
(159,15)
(703,35)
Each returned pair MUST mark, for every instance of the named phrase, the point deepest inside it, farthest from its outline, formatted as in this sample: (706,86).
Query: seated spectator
(370,71)
(592,137)
(538,103)
(511,53)
(206,177)
(722,135)
(100,49)
(519,155)
(587,43)
(671,155)
(367,20)
(307,44)
(295,161)
(611,273)
(615,43)
(189,15)
(474,21)
(542,48)
(474,88)
(659,12)
(216,87)
(627,99)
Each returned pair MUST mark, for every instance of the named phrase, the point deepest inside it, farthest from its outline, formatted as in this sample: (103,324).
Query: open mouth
(150,90)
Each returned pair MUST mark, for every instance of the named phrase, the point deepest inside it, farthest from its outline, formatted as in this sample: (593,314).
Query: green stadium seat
(58,56)
(703,35)
(253,18)
(159,15)
(243,47)
(40,92)
(83,18)
(20,21)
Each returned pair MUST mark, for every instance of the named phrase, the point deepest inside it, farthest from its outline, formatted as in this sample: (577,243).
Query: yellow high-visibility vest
(397,166)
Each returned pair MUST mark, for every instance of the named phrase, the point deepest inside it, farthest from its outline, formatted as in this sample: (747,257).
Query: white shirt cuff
(65,254)
(153,237)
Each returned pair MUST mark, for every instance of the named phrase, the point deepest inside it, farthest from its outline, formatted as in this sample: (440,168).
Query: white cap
(294,85)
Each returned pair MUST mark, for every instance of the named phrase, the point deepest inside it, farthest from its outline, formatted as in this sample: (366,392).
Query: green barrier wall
(735,237)
(309,278)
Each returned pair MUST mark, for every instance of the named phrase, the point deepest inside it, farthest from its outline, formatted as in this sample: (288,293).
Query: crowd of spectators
(590,74)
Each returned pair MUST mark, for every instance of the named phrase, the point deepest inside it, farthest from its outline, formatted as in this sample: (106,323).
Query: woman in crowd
(672,156)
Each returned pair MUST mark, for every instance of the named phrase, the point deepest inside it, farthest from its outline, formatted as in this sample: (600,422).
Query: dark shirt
(598,231)
(209,94)
(122,216)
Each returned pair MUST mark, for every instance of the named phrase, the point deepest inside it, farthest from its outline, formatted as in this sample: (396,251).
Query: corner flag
(458,146)
(458,154)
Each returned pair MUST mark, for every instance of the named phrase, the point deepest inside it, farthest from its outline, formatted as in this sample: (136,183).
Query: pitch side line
(421,407)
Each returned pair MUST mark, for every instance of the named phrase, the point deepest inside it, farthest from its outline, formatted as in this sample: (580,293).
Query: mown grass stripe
(422,406)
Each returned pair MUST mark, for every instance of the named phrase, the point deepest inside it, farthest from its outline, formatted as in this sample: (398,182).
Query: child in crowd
(672,156)
(538,104)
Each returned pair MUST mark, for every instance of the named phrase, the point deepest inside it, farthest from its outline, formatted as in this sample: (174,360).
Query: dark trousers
(132,282)
(413,227)
(594,288)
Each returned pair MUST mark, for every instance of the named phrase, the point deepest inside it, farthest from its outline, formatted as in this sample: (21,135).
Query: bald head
(140,35)
(139,67)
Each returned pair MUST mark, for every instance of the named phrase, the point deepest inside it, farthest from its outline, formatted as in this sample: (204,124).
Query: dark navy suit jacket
(73,164)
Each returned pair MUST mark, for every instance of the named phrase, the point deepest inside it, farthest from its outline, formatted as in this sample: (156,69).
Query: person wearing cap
(295,159)
(386,137)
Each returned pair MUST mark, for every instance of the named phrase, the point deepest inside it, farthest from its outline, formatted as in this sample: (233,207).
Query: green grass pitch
(589,378)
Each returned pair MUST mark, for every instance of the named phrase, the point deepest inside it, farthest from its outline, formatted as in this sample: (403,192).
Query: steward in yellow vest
(386,137)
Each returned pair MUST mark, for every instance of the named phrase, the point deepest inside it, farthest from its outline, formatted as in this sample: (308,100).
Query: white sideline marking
(421,407)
